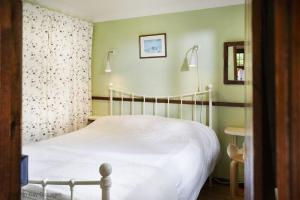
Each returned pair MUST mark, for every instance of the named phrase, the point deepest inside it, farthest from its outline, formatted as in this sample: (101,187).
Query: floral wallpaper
(56,73)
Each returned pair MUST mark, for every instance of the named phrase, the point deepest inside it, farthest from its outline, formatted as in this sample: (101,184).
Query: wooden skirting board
(173,101)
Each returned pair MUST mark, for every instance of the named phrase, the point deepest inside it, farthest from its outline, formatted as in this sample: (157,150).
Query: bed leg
(105,182)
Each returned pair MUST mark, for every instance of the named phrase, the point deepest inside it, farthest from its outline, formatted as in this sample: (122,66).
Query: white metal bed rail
(133,96)
(104,183)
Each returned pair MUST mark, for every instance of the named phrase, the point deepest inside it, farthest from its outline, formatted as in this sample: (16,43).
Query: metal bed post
(132,104)
(44,185)
(155,106)
(72,185)
(180,107)
(144,105)
(122,105)
(105,182)
(209,88)
(168,107)
(111,100)
(195,107)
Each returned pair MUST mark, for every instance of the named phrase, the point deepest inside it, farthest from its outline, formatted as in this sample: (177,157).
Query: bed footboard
(104,183)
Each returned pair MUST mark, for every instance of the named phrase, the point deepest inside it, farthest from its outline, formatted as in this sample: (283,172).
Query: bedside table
(236,155)
(235,131)
(93,118)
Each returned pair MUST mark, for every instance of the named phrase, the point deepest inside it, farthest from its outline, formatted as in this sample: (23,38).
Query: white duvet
(153,158)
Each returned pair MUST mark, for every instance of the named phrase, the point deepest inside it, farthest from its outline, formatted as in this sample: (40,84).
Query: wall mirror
(234,59)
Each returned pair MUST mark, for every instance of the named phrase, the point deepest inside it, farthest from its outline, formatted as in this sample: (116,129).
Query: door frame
(287,66)
(273,140)
(10,97)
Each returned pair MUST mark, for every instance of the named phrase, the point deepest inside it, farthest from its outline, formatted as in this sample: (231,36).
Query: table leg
(233,177)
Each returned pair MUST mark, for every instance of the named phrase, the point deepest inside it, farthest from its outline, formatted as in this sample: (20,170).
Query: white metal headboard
(161,99)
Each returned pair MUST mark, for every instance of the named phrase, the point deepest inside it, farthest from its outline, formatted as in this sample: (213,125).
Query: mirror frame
(226,45)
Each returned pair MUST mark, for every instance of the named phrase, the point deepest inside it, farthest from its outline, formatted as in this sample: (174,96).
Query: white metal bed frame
(106,169)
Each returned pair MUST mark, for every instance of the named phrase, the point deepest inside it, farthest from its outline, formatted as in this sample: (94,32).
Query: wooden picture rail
(173,101)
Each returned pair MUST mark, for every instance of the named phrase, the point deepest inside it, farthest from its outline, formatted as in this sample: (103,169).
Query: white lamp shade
(193,59)
(108,67)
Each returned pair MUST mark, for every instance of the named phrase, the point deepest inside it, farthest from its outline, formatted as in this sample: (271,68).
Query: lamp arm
(109,53)
(187,53)
(194,50)
(198,78)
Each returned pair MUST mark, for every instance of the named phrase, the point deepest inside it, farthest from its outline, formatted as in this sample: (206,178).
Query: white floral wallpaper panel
(56,73)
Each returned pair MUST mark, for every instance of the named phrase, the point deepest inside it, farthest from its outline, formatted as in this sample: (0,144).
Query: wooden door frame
(287,51)
(10,97)
(254,166)
(263,100)
(275,47)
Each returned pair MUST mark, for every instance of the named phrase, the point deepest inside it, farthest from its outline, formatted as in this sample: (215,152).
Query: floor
(218,192)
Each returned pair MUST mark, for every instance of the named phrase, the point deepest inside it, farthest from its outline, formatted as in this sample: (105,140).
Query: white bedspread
(153,158)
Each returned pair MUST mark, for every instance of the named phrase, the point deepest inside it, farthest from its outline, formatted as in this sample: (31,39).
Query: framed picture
(153,46)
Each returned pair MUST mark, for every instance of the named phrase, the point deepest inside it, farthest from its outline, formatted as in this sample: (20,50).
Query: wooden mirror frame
(226,45)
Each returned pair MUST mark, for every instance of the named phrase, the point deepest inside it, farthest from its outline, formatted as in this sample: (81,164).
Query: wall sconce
(192,61)
(108,65)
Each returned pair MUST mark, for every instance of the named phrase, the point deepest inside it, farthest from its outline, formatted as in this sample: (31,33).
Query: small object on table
(236,155)
(24,170)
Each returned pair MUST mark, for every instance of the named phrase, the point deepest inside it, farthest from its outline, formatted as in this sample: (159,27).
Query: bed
(153,158)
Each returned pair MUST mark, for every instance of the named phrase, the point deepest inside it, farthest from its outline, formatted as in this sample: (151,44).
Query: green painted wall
(208,28)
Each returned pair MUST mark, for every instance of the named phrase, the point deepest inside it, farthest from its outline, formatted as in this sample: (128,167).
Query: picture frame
(153,46)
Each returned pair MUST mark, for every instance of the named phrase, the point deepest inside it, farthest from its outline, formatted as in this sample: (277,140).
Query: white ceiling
(105,10)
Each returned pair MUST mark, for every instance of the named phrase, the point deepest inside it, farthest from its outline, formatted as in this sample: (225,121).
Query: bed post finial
(105,182)
(44,185)
(72,185)
(209,88)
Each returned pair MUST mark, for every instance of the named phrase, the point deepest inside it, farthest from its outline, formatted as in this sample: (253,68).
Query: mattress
(152,158)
